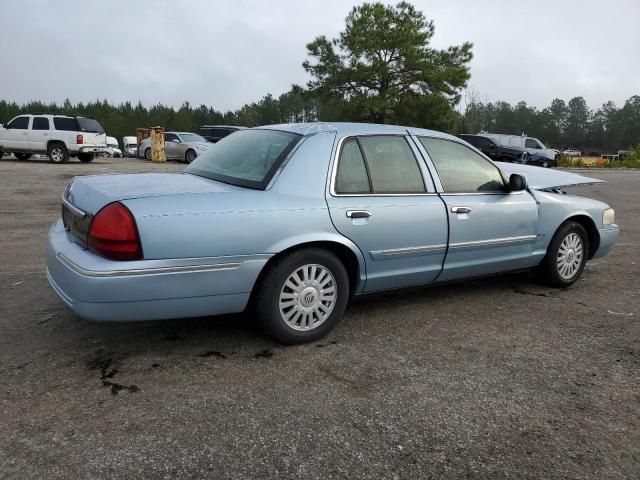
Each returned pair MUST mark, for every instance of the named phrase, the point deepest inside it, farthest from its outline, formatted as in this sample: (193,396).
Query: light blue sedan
(294,220)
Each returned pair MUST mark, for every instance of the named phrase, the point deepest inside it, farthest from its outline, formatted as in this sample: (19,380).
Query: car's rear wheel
(86,157)
(23,156)
(147,153)
(566,257)
(302,296)
(57,153)
(190,156)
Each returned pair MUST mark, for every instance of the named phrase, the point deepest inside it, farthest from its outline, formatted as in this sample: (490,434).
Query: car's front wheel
(190,156)
(566,257)
(302,296)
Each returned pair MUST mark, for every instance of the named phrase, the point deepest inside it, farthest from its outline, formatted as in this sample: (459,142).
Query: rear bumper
(89,149)
(105,290)
(608,238)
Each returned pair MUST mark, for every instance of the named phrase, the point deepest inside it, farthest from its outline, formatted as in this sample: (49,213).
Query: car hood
(546,178)
(91,193)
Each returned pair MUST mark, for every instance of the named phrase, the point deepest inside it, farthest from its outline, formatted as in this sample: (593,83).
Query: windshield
(248,158)
(89,125)
(192,137)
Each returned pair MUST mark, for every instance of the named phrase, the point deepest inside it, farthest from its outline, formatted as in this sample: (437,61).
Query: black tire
(545,165)
(57,153)
(190,156)
(86,157)
(23,156)
(272,285)
(147,154)
(550,269)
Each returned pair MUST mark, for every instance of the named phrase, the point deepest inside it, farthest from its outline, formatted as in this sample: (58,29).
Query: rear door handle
(358,214)
(460,210)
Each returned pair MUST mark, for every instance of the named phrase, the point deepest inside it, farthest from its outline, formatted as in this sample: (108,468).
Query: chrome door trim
(402,251)
(494,242)
(145,271)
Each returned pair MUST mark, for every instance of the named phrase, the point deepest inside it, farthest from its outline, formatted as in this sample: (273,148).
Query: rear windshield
(248,158)
(89,125)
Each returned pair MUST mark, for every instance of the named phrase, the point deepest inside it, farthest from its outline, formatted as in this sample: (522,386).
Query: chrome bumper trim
(422,249)
(145,271)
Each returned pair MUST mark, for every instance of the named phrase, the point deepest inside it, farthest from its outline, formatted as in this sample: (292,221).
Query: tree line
(382,69)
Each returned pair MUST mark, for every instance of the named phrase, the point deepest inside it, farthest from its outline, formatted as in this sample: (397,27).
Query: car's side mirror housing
(175,140)
(517,183)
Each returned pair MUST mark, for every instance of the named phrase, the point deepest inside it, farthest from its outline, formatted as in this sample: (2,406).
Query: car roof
(345,129)
(235,127)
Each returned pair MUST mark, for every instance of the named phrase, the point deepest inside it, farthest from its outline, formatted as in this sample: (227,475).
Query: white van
(530,144)
(130,146)
(112,147)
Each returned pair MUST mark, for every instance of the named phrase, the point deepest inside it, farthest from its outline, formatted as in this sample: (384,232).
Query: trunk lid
(539,178)
(91,193)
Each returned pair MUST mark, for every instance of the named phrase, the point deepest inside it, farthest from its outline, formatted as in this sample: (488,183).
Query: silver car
(182,146)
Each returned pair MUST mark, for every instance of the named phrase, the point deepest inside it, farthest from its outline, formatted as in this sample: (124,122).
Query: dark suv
(494,151)
(215,133)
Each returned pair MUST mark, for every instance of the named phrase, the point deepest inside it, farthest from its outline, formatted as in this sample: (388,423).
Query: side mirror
(517,183)
(175,140)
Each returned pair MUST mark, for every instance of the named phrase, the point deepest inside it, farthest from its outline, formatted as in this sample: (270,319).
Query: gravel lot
(497,378)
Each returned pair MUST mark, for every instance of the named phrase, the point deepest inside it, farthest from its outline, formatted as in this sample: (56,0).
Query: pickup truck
(57,136)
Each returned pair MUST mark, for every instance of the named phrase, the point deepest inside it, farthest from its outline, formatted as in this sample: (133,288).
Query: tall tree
(382,66)
(577,121)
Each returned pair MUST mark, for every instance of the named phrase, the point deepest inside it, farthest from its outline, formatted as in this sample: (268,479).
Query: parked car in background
(530,144)
(57,136)
(540,160)
(112,148)
(296,219)
(215,133)
(494,151)
(572,153)
(130,146)
(182,146)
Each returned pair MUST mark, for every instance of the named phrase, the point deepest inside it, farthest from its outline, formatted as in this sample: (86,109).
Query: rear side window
(21,123)
(352,174)
(40,123)
(65,124)
(378,164)
(461,170)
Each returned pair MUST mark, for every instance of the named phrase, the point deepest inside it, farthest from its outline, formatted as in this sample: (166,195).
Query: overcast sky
(226,54)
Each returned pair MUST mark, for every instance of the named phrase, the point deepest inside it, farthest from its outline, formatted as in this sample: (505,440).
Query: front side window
(531,143)
(40,123)
(20,123)
(248,158)
(461,170)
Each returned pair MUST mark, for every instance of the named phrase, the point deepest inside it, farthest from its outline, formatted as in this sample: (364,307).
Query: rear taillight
(79,139)
(114,235)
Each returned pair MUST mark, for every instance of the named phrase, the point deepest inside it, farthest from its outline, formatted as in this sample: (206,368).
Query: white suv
(57,136)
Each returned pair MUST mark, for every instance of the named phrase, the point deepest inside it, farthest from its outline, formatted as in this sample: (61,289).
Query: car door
(490,228)
(39,134)
(171,145)
(382,198)
(17,134)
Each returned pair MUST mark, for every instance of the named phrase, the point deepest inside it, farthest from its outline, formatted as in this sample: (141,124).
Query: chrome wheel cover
(308,297)
(191,156)
(570,255)
(56,154)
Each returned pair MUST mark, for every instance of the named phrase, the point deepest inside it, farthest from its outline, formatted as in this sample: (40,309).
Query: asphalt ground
(495,378)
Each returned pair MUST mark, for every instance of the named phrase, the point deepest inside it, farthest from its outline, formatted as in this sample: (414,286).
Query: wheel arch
(590,226)
(344,249)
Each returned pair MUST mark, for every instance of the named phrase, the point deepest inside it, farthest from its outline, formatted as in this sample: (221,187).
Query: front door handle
(460,210)
(358,214)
